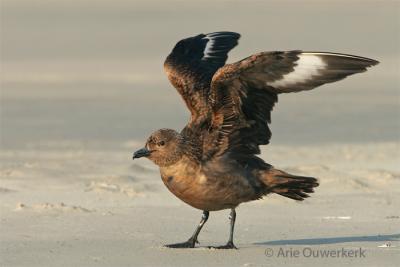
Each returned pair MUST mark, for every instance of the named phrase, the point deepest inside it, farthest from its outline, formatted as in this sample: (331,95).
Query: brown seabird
(212,164)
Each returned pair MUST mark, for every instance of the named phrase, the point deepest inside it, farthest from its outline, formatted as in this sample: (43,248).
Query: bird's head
(164,147)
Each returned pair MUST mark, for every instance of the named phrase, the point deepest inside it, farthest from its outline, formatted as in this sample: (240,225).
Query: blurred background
(82,86)
(90,72)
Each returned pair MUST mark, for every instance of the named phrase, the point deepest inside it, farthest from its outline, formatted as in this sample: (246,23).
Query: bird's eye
(161,143)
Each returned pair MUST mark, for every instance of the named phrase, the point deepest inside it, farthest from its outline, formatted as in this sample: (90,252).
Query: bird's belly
(208,195)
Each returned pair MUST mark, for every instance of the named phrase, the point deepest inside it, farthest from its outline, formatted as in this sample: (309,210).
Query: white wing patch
(209,47)
(307,67)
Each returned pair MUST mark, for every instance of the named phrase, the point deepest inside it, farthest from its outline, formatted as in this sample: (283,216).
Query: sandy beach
(82,207)
(82,87)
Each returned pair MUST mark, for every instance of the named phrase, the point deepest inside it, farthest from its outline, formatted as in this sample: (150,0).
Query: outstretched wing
(193,62)
(244,93)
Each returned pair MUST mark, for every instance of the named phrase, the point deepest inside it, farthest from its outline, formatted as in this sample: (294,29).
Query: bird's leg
(193,239)
(230,245)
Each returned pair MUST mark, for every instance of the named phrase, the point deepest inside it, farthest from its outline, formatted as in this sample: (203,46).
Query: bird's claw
(229,245)
(188,244)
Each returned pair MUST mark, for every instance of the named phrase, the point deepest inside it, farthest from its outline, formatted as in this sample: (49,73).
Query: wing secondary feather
(244,93)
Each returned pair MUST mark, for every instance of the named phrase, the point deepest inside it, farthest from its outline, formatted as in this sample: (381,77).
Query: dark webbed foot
(188,244)
(193,240)
(229,245)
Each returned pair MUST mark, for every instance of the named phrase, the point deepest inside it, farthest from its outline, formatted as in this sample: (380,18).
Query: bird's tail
(288,185)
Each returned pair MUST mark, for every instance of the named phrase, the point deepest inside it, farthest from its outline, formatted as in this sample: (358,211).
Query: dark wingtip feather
(374,62)
(367,62)
(231,34)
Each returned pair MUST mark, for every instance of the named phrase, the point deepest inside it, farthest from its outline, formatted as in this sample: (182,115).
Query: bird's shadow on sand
(332,240)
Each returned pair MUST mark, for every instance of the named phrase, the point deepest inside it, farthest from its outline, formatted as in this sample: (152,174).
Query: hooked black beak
(144,152)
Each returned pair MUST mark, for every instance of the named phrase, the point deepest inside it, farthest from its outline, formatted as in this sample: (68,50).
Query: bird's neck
(183,166)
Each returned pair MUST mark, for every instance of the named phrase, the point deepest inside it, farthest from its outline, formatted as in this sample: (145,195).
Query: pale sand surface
(72,206)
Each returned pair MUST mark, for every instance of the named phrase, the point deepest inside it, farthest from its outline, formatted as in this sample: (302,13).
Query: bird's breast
(204,191)
(180,179)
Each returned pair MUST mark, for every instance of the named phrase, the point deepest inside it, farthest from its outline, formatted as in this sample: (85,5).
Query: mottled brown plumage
(212,164)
